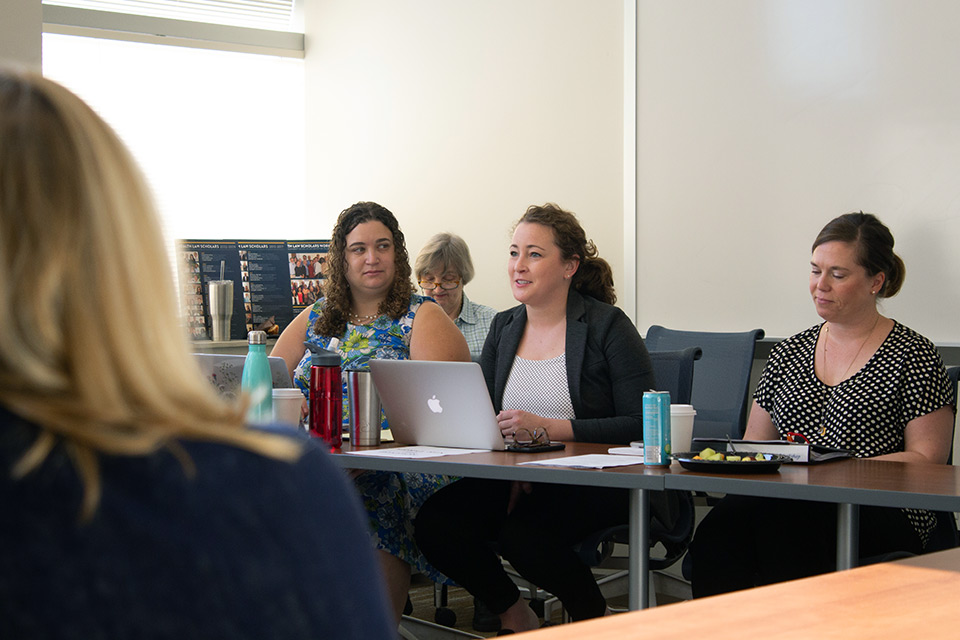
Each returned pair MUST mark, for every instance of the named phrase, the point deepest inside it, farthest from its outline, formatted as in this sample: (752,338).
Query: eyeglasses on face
(527,437)
(429,285)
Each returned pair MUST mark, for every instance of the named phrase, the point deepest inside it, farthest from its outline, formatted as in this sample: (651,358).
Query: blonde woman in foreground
(136,503)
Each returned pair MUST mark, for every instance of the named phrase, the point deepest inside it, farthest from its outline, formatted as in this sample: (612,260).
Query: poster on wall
(273,280)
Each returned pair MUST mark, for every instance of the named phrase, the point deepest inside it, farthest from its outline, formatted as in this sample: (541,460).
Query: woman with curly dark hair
(370,308)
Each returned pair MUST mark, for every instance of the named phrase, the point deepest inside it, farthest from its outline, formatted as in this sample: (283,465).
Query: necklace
(857,355)
(826,408)
(357,316)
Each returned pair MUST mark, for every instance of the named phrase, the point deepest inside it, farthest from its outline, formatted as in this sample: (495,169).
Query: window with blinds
(216,125)
(261,14)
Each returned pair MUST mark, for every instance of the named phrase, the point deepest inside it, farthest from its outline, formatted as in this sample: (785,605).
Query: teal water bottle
(257,381)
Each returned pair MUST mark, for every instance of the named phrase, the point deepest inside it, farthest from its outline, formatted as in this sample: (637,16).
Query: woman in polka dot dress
(857,381)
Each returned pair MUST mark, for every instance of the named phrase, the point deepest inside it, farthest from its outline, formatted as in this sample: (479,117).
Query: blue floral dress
(391,500)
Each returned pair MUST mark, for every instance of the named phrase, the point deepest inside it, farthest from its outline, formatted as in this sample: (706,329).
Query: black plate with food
(687,461)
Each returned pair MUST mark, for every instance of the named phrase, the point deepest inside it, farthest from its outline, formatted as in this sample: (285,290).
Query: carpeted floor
(460,603)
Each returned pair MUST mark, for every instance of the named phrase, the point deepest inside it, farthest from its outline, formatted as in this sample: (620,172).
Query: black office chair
(672,527)
(671,512)
(954,374)
(722,377)
(945,535)
(721,382)
(673,371)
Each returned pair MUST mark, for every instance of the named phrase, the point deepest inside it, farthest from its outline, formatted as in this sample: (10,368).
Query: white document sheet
(626,451)
(416,451)
(590,461)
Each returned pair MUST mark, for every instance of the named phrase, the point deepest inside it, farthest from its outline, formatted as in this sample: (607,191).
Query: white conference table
(847,483)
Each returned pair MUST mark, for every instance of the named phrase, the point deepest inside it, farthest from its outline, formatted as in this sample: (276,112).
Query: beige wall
(21,23)
(756,122)
(458,115)
(760,120)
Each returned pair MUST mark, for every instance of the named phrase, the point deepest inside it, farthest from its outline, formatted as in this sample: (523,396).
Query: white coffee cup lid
(287,393)
(682,408)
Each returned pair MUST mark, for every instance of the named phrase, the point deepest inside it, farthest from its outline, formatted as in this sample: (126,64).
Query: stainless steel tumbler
(364,403)
(220,299)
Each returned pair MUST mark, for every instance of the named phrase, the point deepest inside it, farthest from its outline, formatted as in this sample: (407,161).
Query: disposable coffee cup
(681,427)
(286,406)
(364,403)
(220,302)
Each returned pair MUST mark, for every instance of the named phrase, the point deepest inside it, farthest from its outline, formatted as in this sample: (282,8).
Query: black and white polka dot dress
(866,413)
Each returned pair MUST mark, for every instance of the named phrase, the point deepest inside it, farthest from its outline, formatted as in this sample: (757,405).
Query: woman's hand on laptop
(511,420)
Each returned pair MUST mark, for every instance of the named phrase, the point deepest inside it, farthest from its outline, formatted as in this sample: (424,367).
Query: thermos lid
(320,357)
(257,337)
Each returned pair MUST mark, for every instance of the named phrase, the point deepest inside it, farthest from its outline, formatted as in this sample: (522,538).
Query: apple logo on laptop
(434,405)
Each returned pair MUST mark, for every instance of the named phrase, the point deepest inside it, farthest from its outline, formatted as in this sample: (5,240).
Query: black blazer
(608,367)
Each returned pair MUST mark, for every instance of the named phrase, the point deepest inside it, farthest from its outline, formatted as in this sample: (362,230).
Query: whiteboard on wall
(759,121)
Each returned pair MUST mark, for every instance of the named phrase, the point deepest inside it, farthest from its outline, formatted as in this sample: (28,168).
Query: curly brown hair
(333,321)
(594,277)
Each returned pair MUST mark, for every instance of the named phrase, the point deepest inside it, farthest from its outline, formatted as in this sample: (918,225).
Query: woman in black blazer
(565,362)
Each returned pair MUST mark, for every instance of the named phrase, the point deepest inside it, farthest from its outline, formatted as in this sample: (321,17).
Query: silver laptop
(225,371)
(438,404)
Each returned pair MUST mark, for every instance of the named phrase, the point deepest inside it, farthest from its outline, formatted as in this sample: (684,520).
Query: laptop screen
(225,371)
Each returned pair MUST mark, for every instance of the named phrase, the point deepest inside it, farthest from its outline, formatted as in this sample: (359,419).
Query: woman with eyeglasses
(563,365)
(370,308)
(443,268)
(858,381)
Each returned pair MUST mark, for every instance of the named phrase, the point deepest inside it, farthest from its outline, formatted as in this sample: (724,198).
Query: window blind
(262,14)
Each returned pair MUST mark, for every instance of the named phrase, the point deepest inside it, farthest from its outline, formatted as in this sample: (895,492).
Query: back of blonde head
(95,353)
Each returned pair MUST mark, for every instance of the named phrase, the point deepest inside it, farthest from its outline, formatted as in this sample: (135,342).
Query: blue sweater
(248,547)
